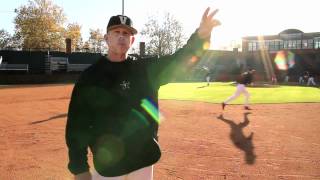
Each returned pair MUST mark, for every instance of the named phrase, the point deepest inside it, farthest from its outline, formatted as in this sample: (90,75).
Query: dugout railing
(14,67)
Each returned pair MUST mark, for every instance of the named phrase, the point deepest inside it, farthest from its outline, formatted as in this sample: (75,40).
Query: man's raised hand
(207,24)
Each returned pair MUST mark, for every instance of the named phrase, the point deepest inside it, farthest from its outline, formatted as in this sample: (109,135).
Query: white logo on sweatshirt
(125,85)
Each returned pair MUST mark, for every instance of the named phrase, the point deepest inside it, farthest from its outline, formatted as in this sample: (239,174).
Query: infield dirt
(198,140)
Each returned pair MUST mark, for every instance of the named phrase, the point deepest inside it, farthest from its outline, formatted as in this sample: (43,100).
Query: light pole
(122,7)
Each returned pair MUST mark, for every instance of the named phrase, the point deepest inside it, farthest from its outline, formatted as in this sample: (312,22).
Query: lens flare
(290,59)
(151,109)
(206,45)
(284,60)
(280,60)
(194,59)
(111,150)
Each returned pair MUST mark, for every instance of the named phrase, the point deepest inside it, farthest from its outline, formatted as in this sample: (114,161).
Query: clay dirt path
(275,141)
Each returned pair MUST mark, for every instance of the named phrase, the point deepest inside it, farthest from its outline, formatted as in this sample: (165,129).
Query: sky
(239,18)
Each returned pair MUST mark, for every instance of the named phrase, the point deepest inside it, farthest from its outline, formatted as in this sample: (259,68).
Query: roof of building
(285,34)
(291,31)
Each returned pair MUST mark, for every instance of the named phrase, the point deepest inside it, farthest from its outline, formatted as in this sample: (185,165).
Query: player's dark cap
(121,21)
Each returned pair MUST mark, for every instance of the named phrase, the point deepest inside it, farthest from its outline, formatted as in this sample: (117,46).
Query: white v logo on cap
(123,19)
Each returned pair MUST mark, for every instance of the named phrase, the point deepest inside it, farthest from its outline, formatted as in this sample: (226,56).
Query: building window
(249,46)
(285,44)
(271,45)
(291,36)
(304,44)
(281,46)
(260,45)
(253,46)
(294,44)
(290,45)
(310,43)
(266,45)
(317,43)
(298,44)
(276,45)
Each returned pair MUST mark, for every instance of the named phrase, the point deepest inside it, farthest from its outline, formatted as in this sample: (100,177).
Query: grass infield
(217,92)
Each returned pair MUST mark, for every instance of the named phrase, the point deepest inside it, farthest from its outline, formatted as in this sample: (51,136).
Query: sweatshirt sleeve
(78,131)
(167,68)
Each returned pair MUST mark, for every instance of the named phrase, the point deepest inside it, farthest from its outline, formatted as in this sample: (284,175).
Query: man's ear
(105,37)
(132,39)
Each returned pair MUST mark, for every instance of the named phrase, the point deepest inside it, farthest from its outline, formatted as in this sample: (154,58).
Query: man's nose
(121,36)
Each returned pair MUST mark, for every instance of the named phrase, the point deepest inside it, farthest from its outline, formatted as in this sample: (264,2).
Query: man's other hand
(83,176)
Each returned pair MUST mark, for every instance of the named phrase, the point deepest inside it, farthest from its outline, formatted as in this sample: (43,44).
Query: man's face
(119,40)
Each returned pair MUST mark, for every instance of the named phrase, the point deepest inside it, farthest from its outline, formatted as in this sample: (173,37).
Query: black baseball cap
(121,21)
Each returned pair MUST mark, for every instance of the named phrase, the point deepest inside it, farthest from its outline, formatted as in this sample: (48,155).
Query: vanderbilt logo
(123,19)
(125,85)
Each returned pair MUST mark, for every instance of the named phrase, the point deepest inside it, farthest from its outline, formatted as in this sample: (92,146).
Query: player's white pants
(311,81)
(301,81)
(208,80)
(241,88)
(140,174)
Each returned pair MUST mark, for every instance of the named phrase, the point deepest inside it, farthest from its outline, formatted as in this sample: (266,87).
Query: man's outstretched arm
(168,67)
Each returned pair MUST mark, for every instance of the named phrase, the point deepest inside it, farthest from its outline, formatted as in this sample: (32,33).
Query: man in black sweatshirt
(114,104)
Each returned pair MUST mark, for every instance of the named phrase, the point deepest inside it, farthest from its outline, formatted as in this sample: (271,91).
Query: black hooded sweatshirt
(114,111)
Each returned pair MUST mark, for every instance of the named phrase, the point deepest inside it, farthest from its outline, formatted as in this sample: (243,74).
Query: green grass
(217,92)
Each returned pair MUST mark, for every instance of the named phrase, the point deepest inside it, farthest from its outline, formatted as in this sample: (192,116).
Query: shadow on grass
(239,139)
(49,119)
(203,86)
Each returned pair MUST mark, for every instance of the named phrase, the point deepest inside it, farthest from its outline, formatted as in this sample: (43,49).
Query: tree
(165,38)
(9,42)
(96,40)
(73,32)
(16,41)
(40,25)
(5,39)
(86,47)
